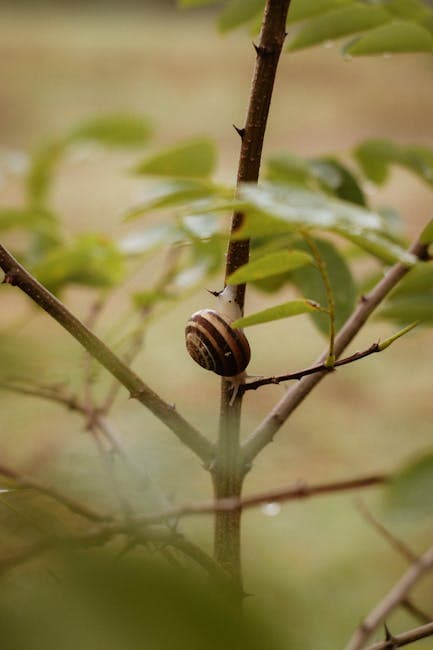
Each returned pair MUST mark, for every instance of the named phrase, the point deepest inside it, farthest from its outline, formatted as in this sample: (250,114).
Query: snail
(213,343)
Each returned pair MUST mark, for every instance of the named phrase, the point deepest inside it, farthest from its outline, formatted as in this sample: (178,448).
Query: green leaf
(40,174)
(26,218)
(239,12)
(193,159)
(144,241)
(409,493)
(171,193)
(427,234)
(381,247)
(299,208)
(310,283)
(285,310)
(338,178)
(376,156)
(335,24)
(269,265)
(91,260)
(408,308)
(303,9)
(113,131)
(395,38)
(288,168)
(410,9)
(391,339)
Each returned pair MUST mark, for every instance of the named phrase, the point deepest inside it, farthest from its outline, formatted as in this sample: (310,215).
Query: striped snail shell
(215,345)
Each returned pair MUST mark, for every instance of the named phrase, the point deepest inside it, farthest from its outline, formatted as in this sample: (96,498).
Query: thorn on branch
(10,278)
(240,132)
(390,638)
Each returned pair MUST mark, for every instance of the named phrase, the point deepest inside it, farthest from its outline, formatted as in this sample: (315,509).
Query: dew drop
(271,509)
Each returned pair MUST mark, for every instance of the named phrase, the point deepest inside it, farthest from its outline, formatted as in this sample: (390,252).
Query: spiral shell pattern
(215,345)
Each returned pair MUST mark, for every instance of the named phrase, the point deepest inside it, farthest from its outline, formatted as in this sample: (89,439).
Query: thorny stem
(227,471)
(406,638)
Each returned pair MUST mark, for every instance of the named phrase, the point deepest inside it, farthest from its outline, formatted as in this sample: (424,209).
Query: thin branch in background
(105,533)
(396,595)
(137,336)
(281,495)
(90,322)
(70,504)
(57,395)
(406,638)
(395,542)
(416,612)
(16,275)
(321,267)
(272,423)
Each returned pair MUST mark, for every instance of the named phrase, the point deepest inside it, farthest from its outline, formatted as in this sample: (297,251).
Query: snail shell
(215,345)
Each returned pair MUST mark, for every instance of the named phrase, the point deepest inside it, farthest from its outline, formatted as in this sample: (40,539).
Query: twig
(266,431)
(404,639)
(71,504)
(392,540)
(416,612)
(312,370)
(106,532)
(102,422)
(292,493)
(393,599)
(15,274)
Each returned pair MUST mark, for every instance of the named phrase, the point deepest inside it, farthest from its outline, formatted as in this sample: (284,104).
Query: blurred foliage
(108,602)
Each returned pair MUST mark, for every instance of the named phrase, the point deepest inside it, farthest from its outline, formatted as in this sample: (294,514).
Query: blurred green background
(315,567)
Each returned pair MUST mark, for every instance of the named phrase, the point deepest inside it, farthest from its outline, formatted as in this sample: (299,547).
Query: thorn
(215,293)
(257,48)
(389,637)
(9,278)
(240,132)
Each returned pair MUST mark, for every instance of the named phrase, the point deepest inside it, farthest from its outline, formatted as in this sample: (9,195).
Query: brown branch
(15,274)
(392,600)
(266,431)
(312,370)
(292,493)
(392,540)
(404,639)
(105,533)
(416,612)
(72,505)
(227,475)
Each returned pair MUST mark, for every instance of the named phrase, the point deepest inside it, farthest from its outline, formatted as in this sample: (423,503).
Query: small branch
(266,431)
(393,599)
(392,540)
(404,639)
(322,367)
(71,504)
(416,612)
(187,434)
(105,533)
(292,493)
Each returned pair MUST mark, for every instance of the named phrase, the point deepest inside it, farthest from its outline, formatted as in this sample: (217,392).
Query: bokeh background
(313,567)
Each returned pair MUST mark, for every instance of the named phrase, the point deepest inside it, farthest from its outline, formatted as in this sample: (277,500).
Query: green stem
(321,267)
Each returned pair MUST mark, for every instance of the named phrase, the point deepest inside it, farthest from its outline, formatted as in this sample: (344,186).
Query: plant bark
(228,472)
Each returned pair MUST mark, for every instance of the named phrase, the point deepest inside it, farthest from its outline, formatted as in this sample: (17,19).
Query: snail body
(215,345)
